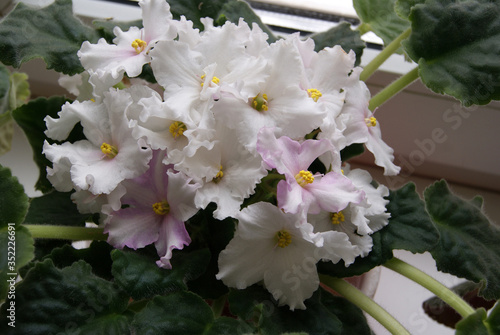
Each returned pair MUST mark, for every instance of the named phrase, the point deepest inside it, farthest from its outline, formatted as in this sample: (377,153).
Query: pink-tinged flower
(130,50)
(157,204)
(301,190)
(110,154)
(278,248)
(361,126)
(354,223)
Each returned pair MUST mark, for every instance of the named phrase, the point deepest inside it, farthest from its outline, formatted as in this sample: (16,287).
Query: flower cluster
(232,110)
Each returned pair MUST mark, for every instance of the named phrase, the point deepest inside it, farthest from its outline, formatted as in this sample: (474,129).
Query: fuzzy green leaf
(219,10)
(139,275)
(380,17)
(18,250)
(257,305)
(474,324)
(409,228)
(52,33)
(50,300)
(468,247)
(13,200)
(403,7)
(457,47)
(183,313)
(342,35)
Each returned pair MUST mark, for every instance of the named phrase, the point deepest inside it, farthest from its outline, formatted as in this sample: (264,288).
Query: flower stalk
(391,48)
(423,279)
(392,89)
(367,304)
(66,232)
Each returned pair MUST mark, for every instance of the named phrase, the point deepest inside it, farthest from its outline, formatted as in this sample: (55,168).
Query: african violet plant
(212,156)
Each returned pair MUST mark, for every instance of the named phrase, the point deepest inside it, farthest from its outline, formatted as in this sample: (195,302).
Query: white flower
(130,50)
(356,222)
(193,73)
(362,127)
(280,101)
(110,154)
(275,247)
(237,172)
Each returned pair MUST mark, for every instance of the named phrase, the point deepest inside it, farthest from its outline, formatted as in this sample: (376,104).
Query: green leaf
(17,250)
(19,90)
(456,44)
(258,307)
(14,91)
(4,89)
(480,324)
(236,9)
(208,232)
(380,17)
(443,313)
(105,27)
(219,10)
(342,35)
(403,7)
(54,208)
(353,150)
(30,117)
(139,275)
(194,10)
(410,228)
(183,313)
(98,255)
(473,324)
(352,317)
(469,246)
(50,301)
(13,200)
(52,33)
(6,132)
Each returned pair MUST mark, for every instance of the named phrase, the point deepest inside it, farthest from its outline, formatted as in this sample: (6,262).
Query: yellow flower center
(139,45)
(314,94)
(337,218)
(371,121)
(109,150)
(304,177)
(283,238)
(215,80)
(161,208)
(260,103)
(219,175)
(177,128)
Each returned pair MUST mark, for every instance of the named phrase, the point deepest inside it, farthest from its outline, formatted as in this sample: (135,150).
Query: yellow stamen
(337,218)
(177,128)
(315,94)
(139,45)
(219,175)
(260,103)
(371,121)
(283,238)
(215,80)
(161,208)
(109,150)
(304,178)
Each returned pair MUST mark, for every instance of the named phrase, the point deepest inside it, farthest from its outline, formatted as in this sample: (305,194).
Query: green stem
(363,28)
(218,305)
(447,295)
(367,304)
(392,89)
(66,232)
(391,48)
